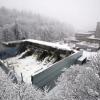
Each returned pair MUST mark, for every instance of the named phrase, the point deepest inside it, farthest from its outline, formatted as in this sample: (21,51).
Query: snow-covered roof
(42,43)
(96,45)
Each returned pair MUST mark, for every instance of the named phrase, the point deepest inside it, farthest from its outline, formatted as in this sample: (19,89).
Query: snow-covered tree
(20,91)
(77,83)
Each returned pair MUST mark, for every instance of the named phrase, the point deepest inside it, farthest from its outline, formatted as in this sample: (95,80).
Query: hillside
(16,25)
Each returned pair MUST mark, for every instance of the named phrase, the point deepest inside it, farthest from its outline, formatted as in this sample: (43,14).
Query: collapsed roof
(39,43)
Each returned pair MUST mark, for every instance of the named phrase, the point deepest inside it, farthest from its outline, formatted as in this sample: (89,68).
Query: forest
(15,25)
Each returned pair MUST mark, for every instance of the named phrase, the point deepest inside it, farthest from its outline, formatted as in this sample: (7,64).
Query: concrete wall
(7,51)
(48,76)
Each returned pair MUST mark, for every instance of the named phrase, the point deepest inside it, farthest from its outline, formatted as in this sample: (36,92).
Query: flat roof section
(42,43)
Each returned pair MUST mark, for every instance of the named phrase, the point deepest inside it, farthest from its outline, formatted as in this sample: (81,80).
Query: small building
(83,36)
(88,46)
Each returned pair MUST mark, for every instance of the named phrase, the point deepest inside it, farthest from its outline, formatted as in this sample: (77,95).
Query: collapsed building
(39,62)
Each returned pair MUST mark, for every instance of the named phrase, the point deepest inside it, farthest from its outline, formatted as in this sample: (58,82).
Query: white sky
(82,14)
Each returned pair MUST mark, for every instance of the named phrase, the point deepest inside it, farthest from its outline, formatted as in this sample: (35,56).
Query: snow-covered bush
(78,83)
(20,91)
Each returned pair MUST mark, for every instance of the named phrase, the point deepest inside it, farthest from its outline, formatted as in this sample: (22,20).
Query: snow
(87,54)
(29,66)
